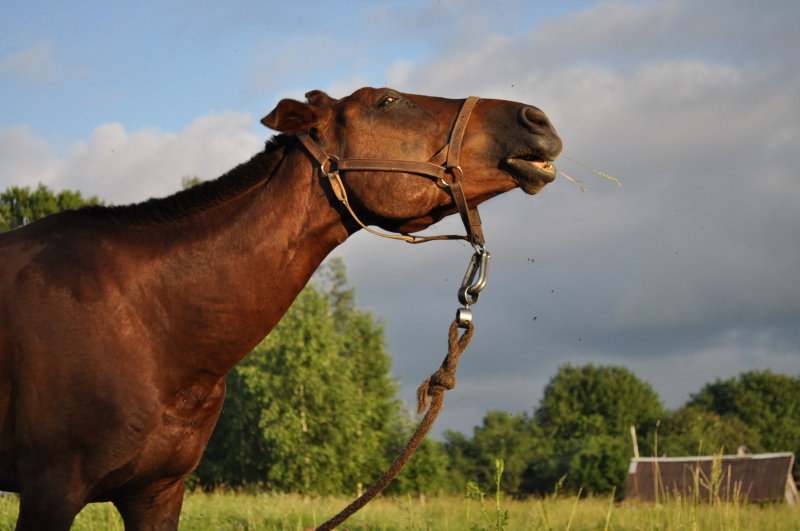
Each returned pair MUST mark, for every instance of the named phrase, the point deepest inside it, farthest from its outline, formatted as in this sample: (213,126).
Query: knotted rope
(430,396)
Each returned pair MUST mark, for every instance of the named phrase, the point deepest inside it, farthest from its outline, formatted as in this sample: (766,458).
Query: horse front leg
(155,507)
(50,499)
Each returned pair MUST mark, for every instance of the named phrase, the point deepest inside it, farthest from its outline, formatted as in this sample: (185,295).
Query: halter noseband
(445,162)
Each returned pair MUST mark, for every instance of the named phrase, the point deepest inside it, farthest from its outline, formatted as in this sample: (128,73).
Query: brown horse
(119,324)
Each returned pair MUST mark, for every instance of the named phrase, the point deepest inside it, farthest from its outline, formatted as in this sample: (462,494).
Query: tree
(694,431)
(515,439)
(768,403)
(312,408)
(594,463)
(429,470)
(587,412)
(20,205)
(592,399)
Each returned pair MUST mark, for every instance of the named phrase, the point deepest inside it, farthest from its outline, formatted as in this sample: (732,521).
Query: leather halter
(445,162)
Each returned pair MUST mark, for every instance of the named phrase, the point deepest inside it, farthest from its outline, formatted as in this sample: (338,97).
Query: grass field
(235,512)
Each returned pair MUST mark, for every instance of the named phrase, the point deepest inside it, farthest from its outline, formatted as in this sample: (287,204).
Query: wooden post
(635,442)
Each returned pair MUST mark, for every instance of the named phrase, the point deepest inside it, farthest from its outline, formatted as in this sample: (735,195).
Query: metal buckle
(334,161)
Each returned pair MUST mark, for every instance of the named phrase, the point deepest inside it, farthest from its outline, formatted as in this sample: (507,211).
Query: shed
(748,477)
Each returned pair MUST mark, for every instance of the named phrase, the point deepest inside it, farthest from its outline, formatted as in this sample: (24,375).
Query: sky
(686,273)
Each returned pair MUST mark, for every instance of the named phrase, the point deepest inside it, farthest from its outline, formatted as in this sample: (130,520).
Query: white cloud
(123,167)
(25,160)
(35,64)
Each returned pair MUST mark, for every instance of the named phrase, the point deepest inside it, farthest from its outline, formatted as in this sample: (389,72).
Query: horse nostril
(534,119)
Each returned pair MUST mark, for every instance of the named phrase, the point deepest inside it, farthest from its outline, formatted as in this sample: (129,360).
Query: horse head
(504,145)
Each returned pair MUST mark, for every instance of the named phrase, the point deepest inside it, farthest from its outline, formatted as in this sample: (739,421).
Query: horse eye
(388,100)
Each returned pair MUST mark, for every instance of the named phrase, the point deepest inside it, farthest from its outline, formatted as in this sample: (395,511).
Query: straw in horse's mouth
(541,164)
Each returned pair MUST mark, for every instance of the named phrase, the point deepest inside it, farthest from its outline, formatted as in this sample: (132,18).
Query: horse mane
(198,198)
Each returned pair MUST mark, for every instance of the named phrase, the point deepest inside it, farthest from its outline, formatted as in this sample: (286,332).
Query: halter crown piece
(445,162)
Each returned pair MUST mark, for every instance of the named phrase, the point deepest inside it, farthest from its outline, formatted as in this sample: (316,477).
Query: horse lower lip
(530,175)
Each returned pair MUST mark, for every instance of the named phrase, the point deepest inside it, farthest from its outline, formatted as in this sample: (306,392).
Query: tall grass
(499,520)
(237,512)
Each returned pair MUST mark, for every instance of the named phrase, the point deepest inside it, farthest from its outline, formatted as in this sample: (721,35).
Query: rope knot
(444,378)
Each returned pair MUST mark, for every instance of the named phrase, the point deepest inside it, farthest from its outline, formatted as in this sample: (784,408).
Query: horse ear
(291,116)
(319,98)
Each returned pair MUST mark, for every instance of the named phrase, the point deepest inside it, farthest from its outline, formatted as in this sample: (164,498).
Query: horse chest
(188,417)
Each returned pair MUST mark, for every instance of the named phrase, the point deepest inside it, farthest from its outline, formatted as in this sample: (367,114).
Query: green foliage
(515,439)
(428,472)
(187,181)
(586,413)
(768,403)
(20,205)
(311,408)
(693,431)
(592,400)
(591,464)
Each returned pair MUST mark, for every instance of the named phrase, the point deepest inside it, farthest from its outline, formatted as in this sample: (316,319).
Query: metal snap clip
(475,278)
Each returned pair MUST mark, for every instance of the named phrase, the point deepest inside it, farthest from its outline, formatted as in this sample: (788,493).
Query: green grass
(236,512)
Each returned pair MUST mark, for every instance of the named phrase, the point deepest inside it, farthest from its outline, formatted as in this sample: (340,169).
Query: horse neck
(231,272)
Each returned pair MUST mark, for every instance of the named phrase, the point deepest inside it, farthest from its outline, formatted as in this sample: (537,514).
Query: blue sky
(685,274)
(163,64)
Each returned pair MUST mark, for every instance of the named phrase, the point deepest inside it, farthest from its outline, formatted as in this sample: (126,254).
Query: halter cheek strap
(446,162)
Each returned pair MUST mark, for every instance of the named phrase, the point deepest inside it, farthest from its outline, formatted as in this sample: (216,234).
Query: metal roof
(748,477)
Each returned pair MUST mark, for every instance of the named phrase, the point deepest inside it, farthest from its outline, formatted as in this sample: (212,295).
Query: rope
(430,396)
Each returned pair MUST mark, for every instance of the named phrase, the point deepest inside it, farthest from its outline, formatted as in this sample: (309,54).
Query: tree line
(314,409)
